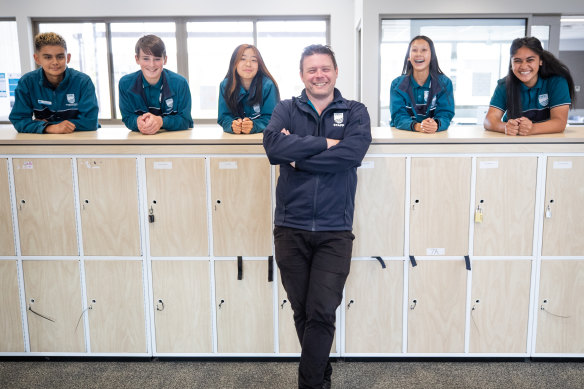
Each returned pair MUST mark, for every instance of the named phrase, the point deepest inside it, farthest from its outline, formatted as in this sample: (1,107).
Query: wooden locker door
(288,338)
(177,197)
(505,193)
(436,314)
(45,206)
(560,314)
(108,196)
(182,306)
(439,206)
(500,306)
(11,337)
(115,295)
(373,307)
(564,195)
(379,208)
(245,316)
(242,207)
(6,226)
(53,290)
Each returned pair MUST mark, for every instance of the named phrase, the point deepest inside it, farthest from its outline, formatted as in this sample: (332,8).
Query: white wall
(373,10)
(340,11)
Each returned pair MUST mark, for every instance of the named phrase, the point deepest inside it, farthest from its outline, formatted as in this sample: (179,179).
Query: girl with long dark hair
(248,94)
(536,94)
(421,99)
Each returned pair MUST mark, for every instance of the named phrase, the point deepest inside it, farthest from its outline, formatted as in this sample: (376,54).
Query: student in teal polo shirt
(248,94)
(154,98)
(54,99)
(421,99)
(535,96)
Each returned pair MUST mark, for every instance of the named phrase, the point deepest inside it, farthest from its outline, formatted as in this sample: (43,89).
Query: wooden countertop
(214,135)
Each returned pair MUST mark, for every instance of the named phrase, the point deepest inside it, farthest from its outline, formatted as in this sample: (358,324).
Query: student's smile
(420,55)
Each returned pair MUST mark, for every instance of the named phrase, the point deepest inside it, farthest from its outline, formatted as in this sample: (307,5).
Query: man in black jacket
(318,139)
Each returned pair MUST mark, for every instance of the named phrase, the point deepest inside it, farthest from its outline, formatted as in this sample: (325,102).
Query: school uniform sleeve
(22,111)
(499,99)
(270,99)
(182,120)
(281,148)
(397,107)
(559,92)
(129,118)
(349,152)
(88,107)
(224,116)
(444,105)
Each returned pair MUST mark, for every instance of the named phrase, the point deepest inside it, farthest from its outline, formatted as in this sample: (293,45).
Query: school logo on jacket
(338,118)
(256,108)
(169,103)
(543,100)
(70,98)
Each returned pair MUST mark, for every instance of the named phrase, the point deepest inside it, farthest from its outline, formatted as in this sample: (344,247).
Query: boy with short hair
(153,97)
(54,99)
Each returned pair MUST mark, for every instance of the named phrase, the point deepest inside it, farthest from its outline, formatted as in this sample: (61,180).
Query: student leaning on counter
(154,98)
(421,99)
(54,99)
(535,96)
(248,94)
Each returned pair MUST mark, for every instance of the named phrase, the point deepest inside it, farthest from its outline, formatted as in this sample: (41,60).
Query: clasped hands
(242,126)
(520,126)
(149,124)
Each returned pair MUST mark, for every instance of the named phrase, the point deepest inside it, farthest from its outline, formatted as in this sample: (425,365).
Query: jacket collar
(45,83)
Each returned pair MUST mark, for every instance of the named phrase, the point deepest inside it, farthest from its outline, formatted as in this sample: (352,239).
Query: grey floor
(146,374)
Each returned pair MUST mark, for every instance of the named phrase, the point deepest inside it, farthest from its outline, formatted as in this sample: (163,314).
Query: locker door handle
(221,303)
(160,305)
(283,303)
(350,302)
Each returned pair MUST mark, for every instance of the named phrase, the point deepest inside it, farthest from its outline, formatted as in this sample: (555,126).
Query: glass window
(281,44)
(124,38)
(210,45)
(88,48)
(473,53)
(9,66)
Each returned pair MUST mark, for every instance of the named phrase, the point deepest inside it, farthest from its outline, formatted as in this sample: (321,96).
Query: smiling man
(54,99)
(153,97)
(318,139)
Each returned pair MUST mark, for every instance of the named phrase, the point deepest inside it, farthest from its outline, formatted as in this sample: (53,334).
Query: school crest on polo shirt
(338,118)
(256,108)
(169,102)
(543,99)
(71,98)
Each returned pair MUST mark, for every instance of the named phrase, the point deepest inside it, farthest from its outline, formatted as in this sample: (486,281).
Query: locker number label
(367,165)
(228,165)
(167,165)
(562,164)
(489,164)
(435,251)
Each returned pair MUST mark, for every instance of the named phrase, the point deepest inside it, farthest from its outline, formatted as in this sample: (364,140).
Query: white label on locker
(435,251)
(27,165)
(228,165)
(367,165)
(163,165)
(489,164)
(562,164)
